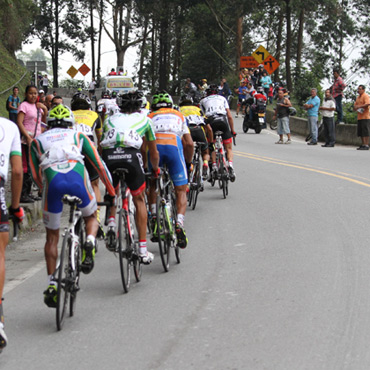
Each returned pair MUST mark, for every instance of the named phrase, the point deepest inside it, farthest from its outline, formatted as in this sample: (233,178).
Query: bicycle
(166,218)
(195,179)
(222,174)
(127,247)
(68,270)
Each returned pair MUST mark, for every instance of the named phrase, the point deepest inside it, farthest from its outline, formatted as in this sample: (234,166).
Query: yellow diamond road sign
(72,71)
(260,54)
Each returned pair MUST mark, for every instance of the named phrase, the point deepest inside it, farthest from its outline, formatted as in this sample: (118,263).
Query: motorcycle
(258,115)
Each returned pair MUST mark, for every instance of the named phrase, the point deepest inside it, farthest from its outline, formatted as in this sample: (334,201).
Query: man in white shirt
(327,110)
(92,86)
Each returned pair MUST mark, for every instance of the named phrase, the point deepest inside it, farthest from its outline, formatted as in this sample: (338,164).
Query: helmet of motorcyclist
(105,94)
(292,111)
(129,102)
(60,116)
(80,101)
(114,94)
(161,99)
(212,90)
(186,100)
(144,100)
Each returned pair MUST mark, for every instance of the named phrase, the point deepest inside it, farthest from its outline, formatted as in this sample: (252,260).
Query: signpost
(35,66)
(260,56)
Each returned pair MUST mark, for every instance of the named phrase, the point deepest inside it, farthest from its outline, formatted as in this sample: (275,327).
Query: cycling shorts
(171,153)
(199,136)
(220,123)
(4,214)
(130,159)
(75,182)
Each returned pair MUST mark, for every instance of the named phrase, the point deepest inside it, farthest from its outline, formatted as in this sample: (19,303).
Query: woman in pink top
(30,115)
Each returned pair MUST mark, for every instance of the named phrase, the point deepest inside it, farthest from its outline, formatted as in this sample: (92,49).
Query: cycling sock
(142,247)
(205,163)
(51,279)
(153,208)
(231,164)
(112,222)
(91,238)
(214,165)
(180,219)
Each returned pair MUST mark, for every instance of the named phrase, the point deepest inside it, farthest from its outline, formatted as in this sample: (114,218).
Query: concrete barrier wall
(345,134)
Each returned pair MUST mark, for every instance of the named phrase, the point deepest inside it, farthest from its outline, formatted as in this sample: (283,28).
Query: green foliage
(70,83)
(303,85)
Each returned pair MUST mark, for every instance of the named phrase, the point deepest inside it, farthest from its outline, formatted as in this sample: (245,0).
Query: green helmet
(161,99)
(60,116)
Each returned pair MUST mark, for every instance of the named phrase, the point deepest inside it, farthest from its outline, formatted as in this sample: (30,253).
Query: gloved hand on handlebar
(17,213)
(156,173)
(234,134)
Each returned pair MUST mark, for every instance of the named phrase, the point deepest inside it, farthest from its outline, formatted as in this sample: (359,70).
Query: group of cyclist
(81,147)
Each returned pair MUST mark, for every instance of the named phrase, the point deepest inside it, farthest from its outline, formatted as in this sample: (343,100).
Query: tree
(60,27)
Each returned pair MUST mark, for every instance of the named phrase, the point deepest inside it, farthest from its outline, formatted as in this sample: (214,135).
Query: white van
(117,83)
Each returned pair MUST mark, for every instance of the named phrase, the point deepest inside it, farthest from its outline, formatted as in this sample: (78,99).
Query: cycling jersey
(87,121)
(10,145)
(126,130)
(170,121)
(214,105)
(193,115)
(57,157)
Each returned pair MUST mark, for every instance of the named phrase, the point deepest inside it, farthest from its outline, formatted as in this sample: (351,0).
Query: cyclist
(216,109)
(175,146)
(199,130)
(10,151)
(122,141)
(89,122)
(57,166)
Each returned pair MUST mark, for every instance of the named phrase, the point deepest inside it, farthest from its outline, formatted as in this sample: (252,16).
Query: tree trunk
(288,45)
(142,54)
(278,42)
(56,50)
(163,51)
(98,71)
(239,39)
(300,43)
(92,38)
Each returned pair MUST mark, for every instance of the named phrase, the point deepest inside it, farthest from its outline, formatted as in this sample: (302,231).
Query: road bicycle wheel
(124,263)
(223,179)
(198,181)
(163,233)
(173,217)
(273,124)
(80,231)
(63,281)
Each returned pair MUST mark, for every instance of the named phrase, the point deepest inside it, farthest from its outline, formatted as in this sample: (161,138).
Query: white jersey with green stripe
(10,144)
(126,130)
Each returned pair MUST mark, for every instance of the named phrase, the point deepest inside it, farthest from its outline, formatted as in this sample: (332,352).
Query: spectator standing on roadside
(337,91)
(92,86)
(10,148)
(45,84)
(13,104)
(312,106)
(363,117)
(30,115)
(327,110)
(242,94)
(202,87)
(225,90)
(48,100)
(282,115)
(266,82)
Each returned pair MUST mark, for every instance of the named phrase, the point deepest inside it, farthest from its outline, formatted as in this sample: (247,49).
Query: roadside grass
(10,72)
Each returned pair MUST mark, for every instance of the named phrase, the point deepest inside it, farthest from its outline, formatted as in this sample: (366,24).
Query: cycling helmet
(292,111)
(80,101)
(105,94)
(129,102)
(212,90)
(186,100)
(60,116)
(161,99)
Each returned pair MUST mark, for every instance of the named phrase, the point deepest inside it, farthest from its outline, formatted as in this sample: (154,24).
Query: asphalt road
(275,277)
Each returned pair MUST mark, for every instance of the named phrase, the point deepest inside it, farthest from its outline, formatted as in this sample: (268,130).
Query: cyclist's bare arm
(188,146)
(230,119)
